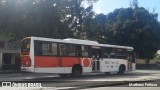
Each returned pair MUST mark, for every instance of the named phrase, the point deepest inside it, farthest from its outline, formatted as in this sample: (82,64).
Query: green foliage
(44,18)
(134,26)
(157,58)
(8,35)
(135,3)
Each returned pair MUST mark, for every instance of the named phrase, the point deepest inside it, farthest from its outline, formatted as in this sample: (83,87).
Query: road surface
(87,81)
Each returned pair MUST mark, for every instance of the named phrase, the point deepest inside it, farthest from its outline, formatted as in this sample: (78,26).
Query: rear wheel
(76,71)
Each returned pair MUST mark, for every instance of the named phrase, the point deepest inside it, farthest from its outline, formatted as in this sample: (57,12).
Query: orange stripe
(69,61)
(45,61)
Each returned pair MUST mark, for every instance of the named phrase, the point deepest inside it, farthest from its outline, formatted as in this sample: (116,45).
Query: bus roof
(68,40)
(115,46)
(78,41)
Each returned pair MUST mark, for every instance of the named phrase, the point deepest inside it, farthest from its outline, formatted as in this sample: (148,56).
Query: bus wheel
(76,71)
(121,70)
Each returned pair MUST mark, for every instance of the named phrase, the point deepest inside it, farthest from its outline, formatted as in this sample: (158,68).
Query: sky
(106,6)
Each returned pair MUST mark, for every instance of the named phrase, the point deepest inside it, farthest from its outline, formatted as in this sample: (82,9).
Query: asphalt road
(87,81)
(128,87)
(123,88)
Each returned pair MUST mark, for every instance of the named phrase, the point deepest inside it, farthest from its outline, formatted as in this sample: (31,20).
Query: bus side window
(78,50)
(67,49)
(120,53)
(38,48)
(85,51)
(106,52)
(71,50)
(54,48)
(111,52)
(47,48)
(63,49)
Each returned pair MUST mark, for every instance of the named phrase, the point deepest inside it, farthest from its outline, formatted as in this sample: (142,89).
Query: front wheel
(121,70)
(76,71)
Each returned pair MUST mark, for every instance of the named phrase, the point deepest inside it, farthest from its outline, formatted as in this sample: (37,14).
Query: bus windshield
(25,48)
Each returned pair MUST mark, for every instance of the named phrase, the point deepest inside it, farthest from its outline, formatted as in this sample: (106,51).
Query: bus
(74,56)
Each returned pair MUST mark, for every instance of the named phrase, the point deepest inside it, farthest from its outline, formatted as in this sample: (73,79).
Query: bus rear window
(25,48)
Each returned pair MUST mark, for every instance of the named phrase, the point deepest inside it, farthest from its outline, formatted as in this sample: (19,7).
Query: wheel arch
(123,65)
(77,65)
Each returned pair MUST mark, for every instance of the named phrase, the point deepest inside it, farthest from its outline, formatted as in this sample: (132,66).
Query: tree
(95,27)
(135,3)
(44,18)
(135,27)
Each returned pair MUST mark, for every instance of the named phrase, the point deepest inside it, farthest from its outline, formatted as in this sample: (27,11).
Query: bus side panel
(105,65)
(50,70)
(46,61)
(86,65)
(45,64)
(69,61)
(111,65)
(86,62)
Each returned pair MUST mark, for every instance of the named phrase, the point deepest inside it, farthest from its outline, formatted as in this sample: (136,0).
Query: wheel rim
(77,72)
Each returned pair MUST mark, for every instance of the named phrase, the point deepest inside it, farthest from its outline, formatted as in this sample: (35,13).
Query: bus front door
(129,61)
(96,55)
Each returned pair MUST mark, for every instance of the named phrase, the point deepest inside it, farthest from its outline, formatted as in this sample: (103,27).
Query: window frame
(122,52)
(76,50)
(89,51)
(108,52)
(38,51)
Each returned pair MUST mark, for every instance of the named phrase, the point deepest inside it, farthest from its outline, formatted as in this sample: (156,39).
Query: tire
(76,71)
(121,70)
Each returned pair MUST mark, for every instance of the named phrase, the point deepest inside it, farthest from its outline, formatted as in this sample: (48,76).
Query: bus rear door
(96,56)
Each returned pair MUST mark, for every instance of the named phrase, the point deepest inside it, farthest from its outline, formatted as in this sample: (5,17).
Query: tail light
(25,61)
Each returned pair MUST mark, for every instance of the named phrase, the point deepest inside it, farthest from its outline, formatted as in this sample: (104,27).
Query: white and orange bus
(74,56)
